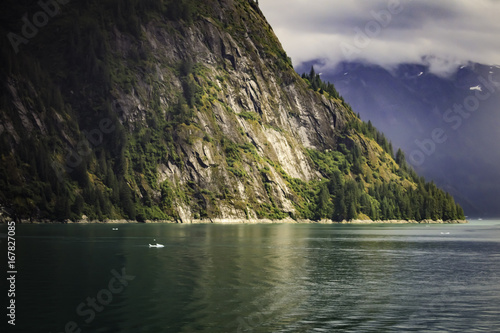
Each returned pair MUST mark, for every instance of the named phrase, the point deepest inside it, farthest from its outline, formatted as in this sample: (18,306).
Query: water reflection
(262,278)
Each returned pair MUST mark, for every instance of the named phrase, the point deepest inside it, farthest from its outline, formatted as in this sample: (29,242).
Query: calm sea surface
(257,278)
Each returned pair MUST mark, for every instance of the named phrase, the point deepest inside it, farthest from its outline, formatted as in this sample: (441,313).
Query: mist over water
(259,278)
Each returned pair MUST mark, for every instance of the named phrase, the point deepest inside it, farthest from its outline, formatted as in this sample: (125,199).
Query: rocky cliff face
(252,102)
(167,109)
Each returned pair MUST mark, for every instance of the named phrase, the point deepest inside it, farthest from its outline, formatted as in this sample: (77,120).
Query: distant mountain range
(449,127)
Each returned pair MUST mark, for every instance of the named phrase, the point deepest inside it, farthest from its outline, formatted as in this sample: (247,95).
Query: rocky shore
(249,221)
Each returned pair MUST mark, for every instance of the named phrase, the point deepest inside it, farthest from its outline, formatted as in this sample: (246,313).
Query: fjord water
(258,278)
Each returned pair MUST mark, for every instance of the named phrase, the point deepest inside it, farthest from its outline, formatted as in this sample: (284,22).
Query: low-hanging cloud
(442,34)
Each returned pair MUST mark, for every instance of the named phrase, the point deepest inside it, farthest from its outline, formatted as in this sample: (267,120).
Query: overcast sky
(443,34)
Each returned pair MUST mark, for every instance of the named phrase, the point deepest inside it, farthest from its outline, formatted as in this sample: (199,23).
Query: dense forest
(68,149)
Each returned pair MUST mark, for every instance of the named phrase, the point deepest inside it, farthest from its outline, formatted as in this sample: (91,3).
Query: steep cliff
(179,110)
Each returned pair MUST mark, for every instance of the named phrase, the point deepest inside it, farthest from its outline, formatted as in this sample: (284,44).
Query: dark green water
(258,278)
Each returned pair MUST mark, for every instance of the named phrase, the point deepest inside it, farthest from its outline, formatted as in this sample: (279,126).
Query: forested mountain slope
(180,110)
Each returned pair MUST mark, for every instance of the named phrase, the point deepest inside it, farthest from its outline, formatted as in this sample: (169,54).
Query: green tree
(324,206)
(401,159)
(127,202)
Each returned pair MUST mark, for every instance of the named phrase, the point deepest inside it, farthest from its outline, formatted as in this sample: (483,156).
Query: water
(258,278)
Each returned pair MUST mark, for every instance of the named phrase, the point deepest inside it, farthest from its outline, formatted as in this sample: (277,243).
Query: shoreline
(243,221)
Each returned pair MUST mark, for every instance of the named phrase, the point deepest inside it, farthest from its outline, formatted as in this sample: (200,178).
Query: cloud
(442,34)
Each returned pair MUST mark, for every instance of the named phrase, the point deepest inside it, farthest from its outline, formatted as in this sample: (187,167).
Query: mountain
(408,103)
(183,110)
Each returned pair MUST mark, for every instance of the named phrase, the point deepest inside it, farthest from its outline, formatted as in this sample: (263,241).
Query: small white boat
(156,245)
(115,228)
